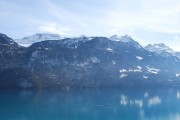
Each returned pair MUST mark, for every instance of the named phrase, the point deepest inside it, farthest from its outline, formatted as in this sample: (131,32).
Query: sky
(146,21)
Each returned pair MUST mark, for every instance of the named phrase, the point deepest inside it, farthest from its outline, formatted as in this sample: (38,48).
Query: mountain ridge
(38,37)
(85,62)
(162,49)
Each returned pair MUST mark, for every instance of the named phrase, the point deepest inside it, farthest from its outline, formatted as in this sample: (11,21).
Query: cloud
(63,15)
(147,21)
(153,16)
(176,37)
(54,28)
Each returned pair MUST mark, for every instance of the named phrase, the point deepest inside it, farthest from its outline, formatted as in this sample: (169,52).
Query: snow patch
(95,60)
(90,38)
(82,64)
(38,37)
(136,69)
(123,75)
(139,67)
(158,48)
(113,62)
(109,49)
(46,48)
(125,38)
(152,70)
(122,70)
(145,77)
(139,58)
(24,44)
(178,75)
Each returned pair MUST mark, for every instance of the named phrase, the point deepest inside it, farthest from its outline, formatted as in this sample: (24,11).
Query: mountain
(159,48)
(126,39)
(162,49)
(6,41)
(38,37)
(86,62)
(177,54)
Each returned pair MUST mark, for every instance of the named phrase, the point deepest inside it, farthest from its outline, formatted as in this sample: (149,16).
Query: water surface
(91,104)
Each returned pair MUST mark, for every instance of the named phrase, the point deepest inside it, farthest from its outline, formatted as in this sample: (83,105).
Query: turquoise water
(91,104)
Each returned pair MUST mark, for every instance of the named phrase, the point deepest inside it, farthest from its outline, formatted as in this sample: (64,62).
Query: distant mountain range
(162,49)
(38,37)
(55,62)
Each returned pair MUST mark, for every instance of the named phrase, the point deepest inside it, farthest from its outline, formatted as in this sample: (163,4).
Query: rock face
(84,62)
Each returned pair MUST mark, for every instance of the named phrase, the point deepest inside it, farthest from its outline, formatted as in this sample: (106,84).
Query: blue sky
(147,21)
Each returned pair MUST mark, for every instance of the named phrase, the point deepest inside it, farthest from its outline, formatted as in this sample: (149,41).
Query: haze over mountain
(38,37)
(85,62)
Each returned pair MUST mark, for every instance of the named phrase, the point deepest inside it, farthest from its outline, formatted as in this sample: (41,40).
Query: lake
(91,104)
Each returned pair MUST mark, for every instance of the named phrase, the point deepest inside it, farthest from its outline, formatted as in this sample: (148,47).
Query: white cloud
(150,16)
(176,37)
(54,28)
(145,20)
(64,15)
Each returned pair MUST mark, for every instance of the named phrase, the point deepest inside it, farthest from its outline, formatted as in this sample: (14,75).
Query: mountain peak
(4,39)
(125,38)
(38,37)
(160,44)
(43,36)
(158,48)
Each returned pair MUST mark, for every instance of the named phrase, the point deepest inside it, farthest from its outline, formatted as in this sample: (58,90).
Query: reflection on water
(91,104)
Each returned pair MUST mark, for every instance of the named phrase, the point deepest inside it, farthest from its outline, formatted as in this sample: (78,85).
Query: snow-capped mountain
(38,37)
(84,62)
(161,49)
(177,54)
(126,39)
(5,40)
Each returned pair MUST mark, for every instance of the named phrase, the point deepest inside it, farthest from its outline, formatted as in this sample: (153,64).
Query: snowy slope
(162,49)
(38,37)
(5,40)
(126,39)
(159,48)
(84,62)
